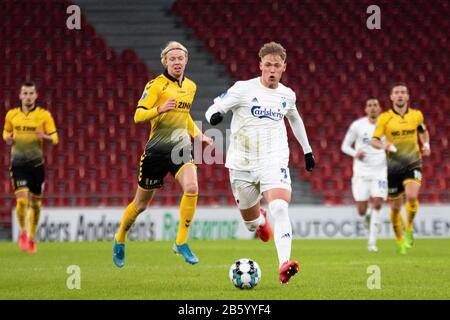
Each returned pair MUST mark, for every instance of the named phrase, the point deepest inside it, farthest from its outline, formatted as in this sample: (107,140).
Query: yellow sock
(35,213)
(128,220)
(397,224)
(187,211)
(21,213)
(411,209)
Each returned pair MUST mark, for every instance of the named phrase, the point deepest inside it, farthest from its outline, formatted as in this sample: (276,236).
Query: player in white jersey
(258,153)
(369,179)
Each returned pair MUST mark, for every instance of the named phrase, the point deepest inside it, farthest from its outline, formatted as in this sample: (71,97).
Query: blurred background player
(401,126)
(26,127)
(258,154)
(166,103)
(369,179)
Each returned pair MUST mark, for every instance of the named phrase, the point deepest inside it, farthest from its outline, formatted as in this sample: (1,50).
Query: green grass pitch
(329,269)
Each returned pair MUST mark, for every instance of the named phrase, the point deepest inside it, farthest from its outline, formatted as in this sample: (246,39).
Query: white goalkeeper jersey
(258,132)
(374,164)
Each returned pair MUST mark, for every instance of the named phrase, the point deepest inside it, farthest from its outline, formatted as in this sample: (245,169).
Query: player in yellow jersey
(402,126)
(165,104)
(26,127)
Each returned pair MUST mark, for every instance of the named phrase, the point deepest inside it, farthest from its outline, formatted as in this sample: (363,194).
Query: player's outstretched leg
(136,207)
(187,178)
(282,234)
(187,210)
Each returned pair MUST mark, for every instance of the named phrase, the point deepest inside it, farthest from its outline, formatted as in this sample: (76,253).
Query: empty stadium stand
(335,63)
(90,90)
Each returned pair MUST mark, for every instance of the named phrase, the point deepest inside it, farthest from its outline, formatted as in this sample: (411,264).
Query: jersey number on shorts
(284,171)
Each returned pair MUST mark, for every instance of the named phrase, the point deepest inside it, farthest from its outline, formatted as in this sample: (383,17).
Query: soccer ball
(245,274)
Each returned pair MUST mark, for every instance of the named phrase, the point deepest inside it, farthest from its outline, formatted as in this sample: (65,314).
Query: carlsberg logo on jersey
(262,113)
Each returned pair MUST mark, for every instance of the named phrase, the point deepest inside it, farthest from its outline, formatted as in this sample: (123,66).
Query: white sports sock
(366,217)
(282,229)
(373,229)
(254,224)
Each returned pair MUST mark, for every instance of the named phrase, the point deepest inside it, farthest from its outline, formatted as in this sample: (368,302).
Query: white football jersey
(258,133)
(374,163)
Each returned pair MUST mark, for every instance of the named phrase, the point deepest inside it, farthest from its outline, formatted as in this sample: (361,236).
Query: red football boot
(32,248)
(264,232)
(287,270)
(23,241)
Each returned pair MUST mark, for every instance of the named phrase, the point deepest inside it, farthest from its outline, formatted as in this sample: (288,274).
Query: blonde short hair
(172,45)
(273,48)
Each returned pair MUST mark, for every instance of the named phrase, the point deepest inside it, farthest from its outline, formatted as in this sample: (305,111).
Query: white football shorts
(247,186)
(364,188)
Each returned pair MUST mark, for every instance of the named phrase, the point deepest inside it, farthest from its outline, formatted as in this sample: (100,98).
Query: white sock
(254,224)
(373,229)
(366,217)
(282,229)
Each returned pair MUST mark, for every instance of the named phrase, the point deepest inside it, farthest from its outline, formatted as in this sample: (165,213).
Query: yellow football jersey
(402,131)
(27,146)
(169,129)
